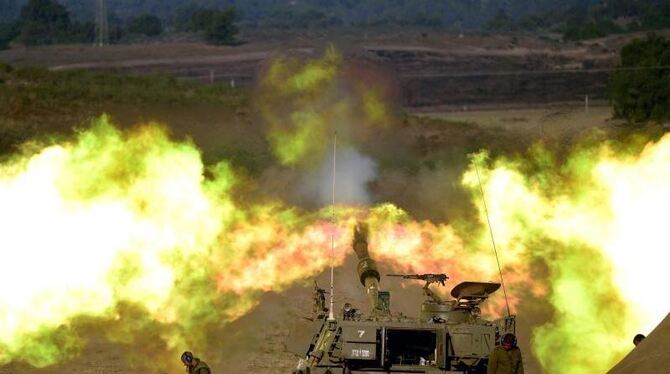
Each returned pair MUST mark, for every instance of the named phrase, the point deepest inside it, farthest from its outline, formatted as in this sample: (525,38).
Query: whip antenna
(331,316)
(495,250)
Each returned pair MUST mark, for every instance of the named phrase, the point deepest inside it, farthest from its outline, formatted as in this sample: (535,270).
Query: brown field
(429,68)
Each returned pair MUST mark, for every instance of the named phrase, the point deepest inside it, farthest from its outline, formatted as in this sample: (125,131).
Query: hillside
(465,14)
(423,69)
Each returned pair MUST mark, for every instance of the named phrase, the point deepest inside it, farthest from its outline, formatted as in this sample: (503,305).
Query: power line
(532,72)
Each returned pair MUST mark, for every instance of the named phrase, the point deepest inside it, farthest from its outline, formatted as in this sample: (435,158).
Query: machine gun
(428,278)
(441,279)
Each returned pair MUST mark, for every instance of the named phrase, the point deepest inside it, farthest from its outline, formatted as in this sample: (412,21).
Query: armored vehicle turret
(448,336)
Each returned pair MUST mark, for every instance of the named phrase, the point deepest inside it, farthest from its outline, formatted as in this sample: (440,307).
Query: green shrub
(221,29)
(640,89)
(218,26)
(656,18)
(43,22)
(8,31)
(501,22)
(146,24)
(47,22)
(31,91)
(591,30)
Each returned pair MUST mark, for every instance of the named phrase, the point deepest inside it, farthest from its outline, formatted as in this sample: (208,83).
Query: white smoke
(354,171)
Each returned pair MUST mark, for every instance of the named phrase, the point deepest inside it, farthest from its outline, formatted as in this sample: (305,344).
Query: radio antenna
(331,316)
(495,250)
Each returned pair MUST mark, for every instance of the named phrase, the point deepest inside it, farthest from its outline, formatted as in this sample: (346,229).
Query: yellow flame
(91,223)
(114,224)
(303,102)
(635,239)
(596,222)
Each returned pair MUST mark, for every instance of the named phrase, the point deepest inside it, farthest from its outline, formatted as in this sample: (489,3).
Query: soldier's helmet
(187,358)
(508,339)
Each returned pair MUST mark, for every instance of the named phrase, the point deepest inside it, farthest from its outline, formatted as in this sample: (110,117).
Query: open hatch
(410,347)
(474,290)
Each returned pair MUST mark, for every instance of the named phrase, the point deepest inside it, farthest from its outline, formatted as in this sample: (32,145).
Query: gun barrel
(430,278)
(367,267)
(405,276)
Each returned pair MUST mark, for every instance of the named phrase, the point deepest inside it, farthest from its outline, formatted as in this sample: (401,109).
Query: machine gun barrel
(367,267)
(428,278)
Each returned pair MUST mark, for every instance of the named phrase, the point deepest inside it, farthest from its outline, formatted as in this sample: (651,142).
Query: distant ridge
(465,14)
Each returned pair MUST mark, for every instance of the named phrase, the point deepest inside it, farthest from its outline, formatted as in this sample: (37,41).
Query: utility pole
(586,103)
(101,24)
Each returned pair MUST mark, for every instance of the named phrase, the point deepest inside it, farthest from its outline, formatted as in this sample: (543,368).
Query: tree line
(589,20)
(43,22)
(458,14)
(575,19)
(640,89)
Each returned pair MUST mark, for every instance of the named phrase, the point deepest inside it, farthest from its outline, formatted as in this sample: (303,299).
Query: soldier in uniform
(348,312)
(193,364)
(506,358)
(319,301)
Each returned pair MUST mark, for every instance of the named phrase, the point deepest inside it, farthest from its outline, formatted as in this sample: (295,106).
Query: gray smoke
(354,171)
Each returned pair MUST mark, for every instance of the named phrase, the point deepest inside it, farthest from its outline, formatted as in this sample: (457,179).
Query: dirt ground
(549,123)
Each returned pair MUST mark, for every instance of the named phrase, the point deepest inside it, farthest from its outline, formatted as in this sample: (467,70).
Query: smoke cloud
(354,172)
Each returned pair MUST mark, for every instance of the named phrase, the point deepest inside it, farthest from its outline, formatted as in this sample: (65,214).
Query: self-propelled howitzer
(448,336)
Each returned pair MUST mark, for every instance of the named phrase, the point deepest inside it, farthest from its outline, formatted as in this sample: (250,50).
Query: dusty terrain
(429,68)
(535,123)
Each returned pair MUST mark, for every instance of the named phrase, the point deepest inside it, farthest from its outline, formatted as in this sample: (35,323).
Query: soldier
(638,339)
(506,358)
(348,312)
(319,301)
(193,364)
